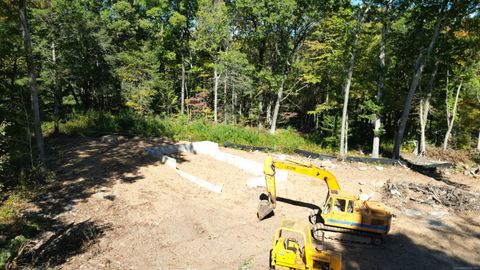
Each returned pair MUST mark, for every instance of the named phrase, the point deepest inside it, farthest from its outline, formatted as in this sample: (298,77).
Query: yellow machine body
(340,209)
(293,248)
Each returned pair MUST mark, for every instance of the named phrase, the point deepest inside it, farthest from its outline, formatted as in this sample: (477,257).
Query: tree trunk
(425,108)
(28,133)
(225,111)
(381,83)
(56,128)
(233,105)
(215,94)
(420,64)
(32,79)
(269,112)
(452,117)
(277,106)
(346,135)
(346,90)
(260,111)
(182,94)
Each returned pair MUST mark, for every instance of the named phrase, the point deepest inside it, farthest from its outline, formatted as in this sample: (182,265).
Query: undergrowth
(94,123)
(16,228)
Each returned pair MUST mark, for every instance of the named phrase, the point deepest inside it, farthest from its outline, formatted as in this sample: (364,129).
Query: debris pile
(474,171)
(448,196)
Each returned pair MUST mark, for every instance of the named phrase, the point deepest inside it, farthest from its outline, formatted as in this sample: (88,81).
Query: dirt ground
(142,215)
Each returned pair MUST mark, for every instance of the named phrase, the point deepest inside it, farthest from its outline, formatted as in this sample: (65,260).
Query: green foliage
(10,249)
(127,123)
(114,56)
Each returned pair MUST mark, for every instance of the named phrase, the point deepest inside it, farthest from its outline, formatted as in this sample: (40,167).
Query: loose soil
(151,218)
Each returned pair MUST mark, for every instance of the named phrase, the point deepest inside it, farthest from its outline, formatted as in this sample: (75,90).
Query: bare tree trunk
(260,111)
(269,112)
(348,82)
(32,79)
(451,119)
(425,108)
(420,64)
(381,83)
(182,94)
(233,105)
(215,94)
(55,92)
(277,106)
(225,111)
(346,135)
(346,90)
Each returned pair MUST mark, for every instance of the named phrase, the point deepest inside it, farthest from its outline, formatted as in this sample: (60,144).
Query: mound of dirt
(449,155)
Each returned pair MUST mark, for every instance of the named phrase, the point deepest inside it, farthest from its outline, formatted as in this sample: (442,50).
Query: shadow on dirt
(84,167)
(400,252)
(54,248)
(298,203)
(433,172)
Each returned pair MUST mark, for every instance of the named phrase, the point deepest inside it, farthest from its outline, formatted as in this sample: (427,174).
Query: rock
(396,192)
(362,168)
(109,139)
(411,212)
(438,214)
(102,196)
(379,168)
(361,183)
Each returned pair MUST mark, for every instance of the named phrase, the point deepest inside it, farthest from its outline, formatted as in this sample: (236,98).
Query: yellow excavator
(341,212)
(294,248)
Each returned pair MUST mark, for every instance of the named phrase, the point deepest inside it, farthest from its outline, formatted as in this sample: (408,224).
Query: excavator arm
(269,166)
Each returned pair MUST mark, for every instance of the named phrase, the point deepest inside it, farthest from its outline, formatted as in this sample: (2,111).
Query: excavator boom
(269,166)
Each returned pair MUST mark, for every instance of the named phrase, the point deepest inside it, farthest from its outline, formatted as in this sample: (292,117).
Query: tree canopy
(258,63)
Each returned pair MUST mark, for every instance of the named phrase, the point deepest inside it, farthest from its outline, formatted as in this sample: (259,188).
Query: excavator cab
(293,249)
(347,211)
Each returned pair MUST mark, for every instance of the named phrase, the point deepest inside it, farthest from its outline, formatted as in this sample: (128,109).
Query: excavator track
(321,230)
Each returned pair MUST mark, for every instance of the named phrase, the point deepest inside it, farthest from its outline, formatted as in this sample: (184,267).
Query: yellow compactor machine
(293,248)
(341,212)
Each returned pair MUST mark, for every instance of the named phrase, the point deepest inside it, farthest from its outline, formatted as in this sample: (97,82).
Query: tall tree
(210,35)
(381,75)
(422,58)
(425,109)
(32,79)
(346,90)
(451,113)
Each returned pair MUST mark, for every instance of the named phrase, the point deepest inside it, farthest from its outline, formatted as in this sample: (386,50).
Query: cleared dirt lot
(137,213)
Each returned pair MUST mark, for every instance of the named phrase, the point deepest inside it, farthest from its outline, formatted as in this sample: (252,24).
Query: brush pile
(449,196)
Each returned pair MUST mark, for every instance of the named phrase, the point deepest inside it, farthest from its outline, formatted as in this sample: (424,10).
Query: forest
(372,76)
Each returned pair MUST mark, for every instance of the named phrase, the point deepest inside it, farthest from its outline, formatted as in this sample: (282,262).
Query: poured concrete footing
(211,149)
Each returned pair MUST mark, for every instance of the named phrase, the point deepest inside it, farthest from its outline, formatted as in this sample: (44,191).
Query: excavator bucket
(268,203)
(264,209)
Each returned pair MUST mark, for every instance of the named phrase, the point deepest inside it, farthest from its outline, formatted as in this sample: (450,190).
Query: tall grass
(95,123)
